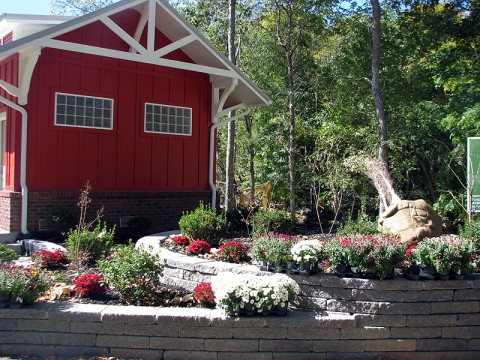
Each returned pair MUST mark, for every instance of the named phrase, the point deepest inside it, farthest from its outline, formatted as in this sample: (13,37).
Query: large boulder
(411,220)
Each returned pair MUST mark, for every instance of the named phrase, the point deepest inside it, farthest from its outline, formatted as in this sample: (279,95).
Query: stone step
(17,247)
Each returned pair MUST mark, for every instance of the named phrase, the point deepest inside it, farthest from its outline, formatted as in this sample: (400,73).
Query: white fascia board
(67,26)
(148,59)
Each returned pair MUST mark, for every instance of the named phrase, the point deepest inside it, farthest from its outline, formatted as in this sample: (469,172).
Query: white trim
(152,11)
(176,45)
(124,35)
(3,148)
(23,160)
(149,59)
(85,126)
(141,25)
(166,132)
(219,101)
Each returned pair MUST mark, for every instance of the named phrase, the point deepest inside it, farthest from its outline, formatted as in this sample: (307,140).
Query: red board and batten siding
(9,73)
(126,158)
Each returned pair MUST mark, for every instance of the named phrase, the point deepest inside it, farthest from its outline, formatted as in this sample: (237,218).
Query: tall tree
(377,92)
(230,160)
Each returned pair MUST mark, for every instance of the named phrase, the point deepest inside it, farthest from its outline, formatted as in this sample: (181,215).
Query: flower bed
(252,294)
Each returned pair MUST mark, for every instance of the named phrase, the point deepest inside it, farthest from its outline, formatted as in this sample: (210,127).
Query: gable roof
(233,88)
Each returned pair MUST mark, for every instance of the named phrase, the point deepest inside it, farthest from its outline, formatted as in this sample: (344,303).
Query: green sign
(473,166)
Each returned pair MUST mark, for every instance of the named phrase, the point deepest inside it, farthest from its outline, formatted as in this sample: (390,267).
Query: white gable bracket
(176,45)
(9,88)
(152,10)
(123,35)
(218,100)
(93,50)
(141,25)
(28,61)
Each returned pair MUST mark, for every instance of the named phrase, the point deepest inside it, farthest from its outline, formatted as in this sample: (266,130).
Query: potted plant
(307,253)
(273,251)
(248,294)
(366,256)
(441,256)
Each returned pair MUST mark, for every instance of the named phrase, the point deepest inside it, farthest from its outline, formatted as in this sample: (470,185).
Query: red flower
(409,250)
(90,285)
(204,294)
(181,240)
(199,247)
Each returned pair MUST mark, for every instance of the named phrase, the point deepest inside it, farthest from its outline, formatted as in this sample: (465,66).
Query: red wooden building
(128,98)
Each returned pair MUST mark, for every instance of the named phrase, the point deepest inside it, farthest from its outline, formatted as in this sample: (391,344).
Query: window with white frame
(83,111)
(166,119)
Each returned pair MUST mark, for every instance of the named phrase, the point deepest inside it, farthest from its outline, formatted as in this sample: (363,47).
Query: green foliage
(133,273)
(17,282)
(90,245)
(203,223)
(361,225)
(445,254)
(7,255)
(272,248)
(272,220)
(471,230)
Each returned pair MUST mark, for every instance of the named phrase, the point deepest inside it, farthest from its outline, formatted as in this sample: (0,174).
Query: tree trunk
(376,89)
(291,137)
(251,151)
(428,176)
(230,161)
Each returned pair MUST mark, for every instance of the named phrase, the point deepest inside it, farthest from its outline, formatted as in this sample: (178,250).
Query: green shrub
(471,230)
(278,221)
(362,225)
(133,273)
(203,223)
(7,254)
(87,245)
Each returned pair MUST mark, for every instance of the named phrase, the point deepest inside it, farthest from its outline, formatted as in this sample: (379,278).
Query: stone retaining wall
(348,319)
(69,331)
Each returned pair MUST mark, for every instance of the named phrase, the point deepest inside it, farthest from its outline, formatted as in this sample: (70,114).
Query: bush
(90,245)
(133,273)
(203,223)
(24,284)
(198,247)
(233,252)
(471,230)
(361,225)
(273,220)
(7,254)
(203,293)
(181,240)
(273,248)
(50,259)
(91,285)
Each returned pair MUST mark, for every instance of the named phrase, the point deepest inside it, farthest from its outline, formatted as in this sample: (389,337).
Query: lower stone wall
(80,331)
(162,208)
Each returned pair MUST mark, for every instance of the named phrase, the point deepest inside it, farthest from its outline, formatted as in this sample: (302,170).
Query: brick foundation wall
(163,209)
(10,211)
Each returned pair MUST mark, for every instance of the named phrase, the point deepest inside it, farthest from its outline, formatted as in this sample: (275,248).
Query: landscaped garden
(96,270)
